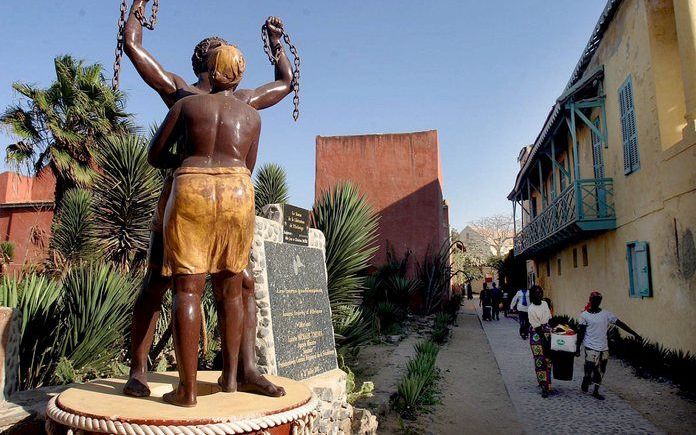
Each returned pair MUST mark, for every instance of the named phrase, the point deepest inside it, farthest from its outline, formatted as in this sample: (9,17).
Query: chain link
(119,45)
(296,71)
(120,38)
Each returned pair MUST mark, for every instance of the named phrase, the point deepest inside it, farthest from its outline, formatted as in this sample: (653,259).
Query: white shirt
(597,327)
(539,314)
(518,298)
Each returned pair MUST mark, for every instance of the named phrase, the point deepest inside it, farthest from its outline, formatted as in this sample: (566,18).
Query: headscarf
(226,66)
(589,301)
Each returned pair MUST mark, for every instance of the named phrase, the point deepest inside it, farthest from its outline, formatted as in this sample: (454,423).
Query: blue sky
(483,73)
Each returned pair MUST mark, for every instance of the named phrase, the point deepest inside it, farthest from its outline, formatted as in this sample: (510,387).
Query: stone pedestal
(100,407)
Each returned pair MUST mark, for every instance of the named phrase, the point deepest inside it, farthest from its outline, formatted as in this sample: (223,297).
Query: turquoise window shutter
(638,259)
(629,130)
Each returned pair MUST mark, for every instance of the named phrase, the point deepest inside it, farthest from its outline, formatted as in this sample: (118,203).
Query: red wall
(400,175)
(26,214)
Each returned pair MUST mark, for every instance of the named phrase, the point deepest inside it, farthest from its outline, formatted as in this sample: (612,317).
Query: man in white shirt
(594,326)
(521,300)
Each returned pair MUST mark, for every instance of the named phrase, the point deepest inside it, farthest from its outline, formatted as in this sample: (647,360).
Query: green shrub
(434,273)
(7,250)
(270,186)
(71,240)
(427,347)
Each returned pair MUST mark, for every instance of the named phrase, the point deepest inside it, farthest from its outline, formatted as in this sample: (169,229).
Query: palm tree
(125,195)
(58,127)
(270,186)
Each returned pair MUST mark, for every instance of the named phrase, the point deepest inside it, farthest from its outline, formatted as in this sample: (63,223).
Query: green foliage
(441,329)
(350,227)
(59,127)
(7,250)
(96,305)
(270,186)
(352,328)
(434,273)
(72,329)
(36,298)
(72,242)
(125,194)
(417,388)
(366,388)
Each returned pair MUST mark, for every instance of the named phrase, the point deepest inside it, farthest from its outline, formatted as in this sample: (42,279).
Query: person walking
(469,291)
(594,323)
(540,338)
(506,300)
(520,302)
(486,301)
(497,297)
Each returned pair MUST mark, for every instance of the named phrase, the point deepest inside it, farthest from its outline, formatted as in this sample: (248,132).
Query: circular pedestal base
(101,407)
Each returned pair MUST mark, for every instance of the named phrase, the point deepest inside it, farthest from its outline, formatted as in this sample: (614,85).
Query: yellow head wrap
(226,66)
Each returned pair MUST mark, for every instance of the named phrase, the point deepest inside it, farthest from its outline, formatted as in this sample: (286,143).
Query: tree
(496,230)
(58,127)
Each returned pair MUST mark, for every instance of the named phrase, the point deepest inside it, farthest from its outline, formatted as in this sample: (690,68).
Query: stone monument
(294,331)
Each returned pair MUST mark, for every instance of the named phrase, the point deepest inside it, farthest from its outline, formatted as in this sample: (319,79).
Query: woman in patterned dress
(540,338)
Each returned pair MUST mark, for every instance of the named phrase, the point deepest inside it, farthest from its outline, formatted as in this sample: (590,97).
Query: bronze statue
(172,89)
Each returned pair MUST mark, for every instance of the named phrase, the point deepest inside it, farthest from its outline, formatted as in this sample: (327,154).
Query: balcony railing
(584,206)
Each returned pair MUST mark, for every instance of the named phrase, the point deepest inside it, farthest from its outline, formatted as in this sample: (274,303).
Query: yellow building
(606,196)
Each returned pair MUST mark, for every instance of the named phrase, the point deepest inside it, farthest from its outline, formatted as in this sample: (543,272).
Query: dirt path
(474,398)
(473,395)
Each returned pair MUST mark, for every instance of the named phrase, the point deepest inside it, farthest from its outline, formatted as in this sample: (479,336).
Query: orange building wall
(400,175)
(26,215)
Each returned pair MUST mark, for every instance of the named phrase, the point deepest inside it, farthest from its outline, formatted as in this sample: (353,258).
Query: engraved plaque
(295,225)
(300,310)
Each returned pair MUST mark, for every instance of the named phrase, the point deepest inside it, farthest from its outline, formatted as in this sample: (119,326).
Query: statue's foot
(227,383)
(179,398)
(137,386)
(257,381)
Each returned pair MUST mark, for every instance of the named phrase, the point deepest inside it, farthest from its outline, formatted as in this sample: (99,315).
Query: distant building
(26,214)
(401,177)
(476,246)
(606,195)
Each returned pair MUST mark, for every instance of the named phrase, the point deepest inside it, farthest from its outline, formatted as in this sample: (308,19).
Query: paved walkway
(567,410)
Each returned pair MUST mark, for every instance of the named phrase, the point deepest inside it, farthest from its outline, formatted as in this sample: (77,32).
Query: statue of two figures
(204,222)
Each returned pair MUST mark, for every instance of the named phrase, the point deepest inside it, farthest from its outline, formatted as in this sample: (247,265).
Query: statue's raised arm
(164,82)
(271,93)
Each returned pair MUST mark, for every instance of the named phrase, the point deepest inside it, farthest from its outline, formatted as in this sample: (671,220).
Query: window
(548,268)
(575,257)
(534,207)
(585,260)
(562,176)
(638,259)
(558,265)
(628,128)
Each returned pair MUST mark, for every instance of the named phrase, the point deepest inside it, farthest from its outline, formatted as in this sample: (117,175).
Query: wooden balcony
(583,208)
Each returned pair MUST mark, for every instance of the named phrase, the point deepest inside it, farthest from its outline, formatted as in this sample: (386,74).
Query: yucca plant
(434,273)
(352,328)
(422,366)
(97,303)
(72,242)
(350,226)
(125,195)
(270,186)
(36,299)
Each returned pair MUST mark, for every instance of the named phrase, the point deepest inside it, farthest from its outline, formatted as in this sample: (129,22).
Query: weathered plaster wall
(657,203)
(401,177)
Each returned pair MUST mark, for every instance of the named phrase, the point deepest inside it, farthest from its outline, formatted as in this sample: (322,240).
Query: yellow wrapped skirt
(208,221)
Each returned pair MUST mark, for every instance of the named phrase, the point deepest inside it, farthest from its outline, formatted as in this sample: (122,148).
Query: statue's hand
(275,28)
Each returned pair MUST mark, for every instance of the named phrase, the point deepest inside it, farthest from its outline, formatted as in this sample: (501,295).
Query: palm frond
(71,242)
